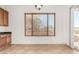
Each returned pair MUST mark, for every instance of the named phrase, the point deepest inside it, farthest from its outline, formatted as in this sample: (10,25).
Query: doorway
(74,27)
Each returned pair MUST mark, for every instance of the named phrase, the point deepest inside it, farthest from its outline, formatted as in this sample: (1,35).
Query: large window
(39,24)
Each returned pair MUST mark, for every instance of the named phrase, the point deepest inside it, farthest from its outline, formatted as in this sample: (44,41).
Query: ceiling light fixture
(38,7)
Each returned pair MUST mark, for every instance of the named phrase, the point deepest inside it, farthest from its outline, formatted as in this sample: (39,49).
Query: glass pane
(76,26)
(39,24)
(51,24)
(28,24)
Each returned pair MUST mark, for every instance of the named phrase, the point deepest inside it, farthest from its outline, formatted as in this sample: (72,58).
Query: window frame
(47,23)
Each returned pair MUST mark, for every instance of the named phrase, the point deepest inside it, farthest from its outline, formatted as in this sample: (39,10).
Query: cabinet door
(8,40)
(1,17)
(2,41)
(5,18)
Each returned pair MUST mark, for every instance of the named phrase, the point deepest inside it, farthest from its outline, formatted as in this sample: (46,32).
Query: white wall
(17,25)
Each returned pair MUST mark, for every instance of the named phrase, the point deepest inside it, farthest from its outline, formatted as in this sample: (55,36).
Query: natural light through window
(76,26)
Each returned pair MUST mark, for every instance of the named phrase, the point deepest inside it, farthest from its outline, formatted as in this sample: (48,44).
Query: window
(39,24)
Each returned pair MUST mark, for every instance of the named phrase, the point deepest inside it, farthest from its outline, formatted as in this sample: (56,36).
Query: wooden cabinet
(3,17)
(8,39)
(2,42)
(5,41)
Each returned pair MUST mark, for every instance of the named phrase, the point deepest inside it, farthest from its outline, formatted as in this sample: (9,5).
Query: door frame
(71,24)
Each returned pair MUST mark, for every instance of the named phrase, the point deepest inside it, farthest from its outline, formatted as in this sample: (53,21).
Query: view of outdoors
(40,24)
(51,25)
(28,24)
(76,26)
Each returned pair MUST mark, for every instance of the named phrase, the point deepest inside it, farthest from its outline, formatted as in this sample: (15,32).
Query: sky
(76,19)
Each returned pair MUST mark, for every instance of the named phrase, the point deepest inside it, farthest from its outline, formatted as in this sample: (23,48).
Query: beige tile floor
(39,49)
